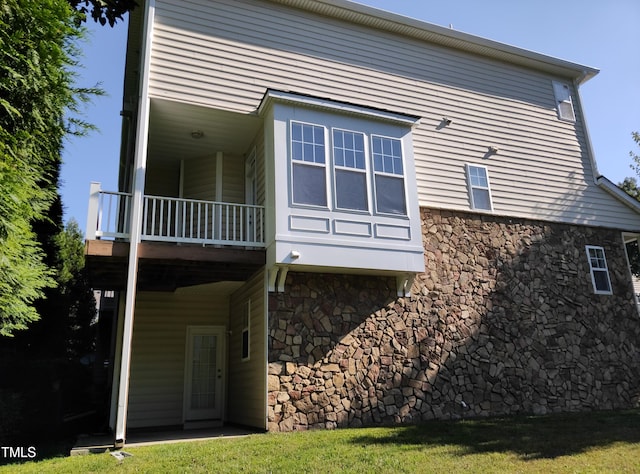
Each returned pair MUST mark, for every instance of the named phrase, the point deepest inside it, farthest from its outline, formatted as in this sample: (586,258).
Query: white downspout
(583,117)
(140,163)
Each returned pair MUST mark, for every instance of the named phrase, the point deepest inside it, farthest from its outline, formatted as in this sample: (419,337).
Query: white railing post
(92,214)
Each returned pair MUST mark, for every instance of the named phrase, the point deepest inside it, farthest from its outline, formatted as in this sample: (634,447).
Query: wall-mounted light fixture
(197,134)
(494,150)
(446,121)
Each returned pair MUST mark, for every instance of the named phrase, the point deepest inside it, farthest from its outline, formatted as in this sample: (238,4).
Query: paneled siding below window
(226,53)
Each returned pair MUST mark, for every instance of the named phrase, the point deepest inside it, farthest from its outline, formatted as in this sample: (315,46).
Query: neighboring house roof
(394,23)
(618,193)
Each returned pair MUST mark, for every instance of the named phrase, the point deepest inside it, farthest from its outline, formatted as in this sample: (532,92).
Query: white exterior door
(204,374)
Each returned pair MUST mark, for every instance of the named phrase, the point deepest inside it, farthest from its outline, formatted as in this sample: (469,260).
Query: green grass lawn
(587,442)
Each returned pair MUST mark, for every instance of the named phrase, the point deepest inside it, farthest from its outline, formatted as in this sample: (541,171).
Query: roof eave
(618,193)
(375,18)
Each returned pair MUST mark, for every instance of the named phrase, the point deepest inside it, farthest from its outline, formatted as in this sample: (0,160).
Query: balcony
(183,241)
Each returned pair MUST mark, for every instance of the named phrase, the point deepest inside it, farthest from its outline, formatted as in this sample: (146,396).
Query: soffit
(171,125)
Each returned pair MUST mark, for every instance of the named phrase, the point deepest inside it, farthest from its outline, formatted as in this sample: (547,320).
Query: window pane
(307,133)
(386,147)
(481,199)
(602,281)
(308,152)
(350,159)
(397,166)
(296,132)
(351,190)
(348,140)
(307,143)
(348,149)
(377,162)
(478,176)
(296,151)
(338,139)
(597,258)
(387,163)
(245,344)
(319,154)
(309,185)
(377,145)
(387,155)
(390,195)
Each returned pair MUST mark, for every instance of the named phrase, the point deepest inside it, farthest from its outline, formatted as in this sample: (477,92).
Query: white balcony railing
(168,219)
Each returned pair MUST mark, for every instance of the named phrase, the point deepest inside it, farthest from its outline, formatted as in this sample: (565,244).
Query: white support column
(219,173)
(140,163)
(92,213)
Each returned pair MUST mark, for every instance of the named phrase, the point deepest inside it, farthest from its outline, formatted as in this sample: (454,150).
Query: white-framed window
(246,331)
(357,160)
(388,171)
(599,270)
(564,102)
(350,165)
(479,188)
(308,164)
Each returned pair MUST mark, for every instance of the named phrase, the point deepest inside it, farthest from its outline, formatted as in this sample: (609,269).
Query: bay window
(352,162)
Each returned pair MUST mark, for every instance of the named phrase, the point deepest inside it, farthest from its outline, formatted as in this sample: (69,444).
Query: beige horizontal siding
(226,53)
(247,379)
(199,181)
(158,350)
(233,180)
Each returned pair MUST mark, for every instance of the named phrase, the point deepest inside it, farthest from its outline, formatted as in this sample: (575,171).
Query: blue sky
(596,33)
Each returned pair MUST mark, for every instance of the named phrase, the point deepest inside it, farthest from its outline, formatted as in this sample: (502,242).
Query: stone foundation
(503,321)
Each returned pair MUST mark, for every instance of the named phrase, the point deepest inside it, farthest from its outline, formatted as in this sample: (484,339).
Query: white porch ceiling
(171,125)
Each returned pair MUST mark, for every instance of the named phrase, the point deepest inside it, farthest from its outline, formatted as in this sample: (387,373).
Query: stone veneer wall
(503,321)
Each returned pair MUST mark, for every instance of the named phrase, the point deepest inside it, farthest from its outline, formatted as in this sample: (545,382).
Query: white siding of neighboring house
(247,379)
(226,53)
(157,367)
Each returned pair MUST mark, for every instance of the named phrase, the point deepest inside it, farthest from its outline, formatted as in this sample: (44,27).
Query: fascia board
(337,107)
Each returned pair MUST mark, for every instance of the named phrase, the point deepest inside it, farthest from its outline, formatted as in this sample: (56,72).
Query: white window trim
(375,173)
(562,93)
(246,327)
(365,171)
(325,165)
(470,187)
(592,269)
